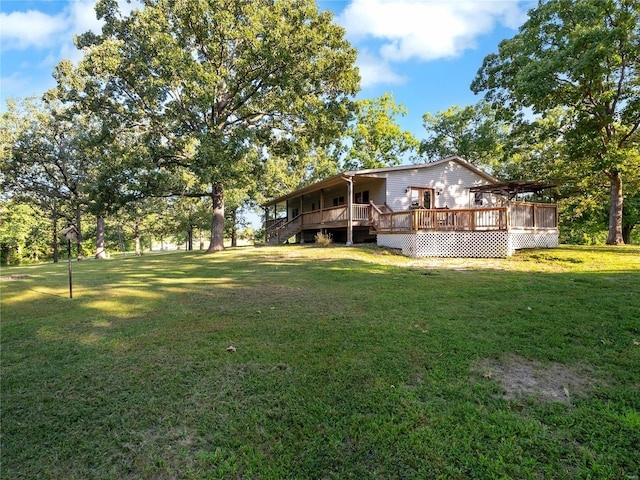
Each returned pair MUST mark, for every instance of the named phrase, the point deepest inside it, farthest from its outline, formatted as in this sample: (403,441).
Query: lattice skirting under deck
(524,239)
(495,244)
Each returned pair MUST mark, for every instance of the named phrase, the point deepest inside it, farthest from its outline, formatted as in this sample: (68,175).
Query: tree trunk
(100,253)
(137,240)
(615,210)
(217,219)
(190,239)
(79,233)
(56,250)
(201,239)
(234,228)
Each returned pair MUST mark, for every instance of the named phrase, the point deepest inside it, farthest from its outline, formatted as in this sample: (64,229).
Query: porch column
(349,210)
(321,205)
(301,234)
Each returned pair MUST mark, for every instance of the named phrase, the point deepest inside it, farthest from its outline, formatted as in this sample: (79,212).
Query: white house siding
(450,181)
(377,193)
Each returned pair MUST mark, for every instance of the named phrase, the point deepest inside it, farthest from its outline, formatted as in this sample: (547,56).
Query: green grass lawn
(349,363)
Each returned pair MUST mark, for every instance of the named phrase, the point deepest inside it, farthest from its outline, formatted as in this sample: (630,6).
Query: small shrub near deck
(323,239)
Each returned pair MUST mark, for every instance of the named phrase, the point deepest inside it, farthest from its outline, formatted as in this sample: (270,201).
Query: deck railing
(272,226)
(533,215)
(520,215)
(340,213)
(281,227)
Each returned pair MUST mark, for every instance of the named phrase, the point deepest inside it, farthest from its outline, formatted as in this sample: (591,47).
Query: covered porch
(279,230)
(340,203)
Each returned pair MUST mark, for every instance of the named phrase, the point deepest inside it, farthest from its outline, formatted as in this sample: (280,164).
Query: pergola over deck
(512,188)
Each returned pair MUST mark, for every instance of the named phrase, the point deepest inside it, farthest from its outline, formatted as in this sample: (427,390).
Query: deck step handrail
(285,230)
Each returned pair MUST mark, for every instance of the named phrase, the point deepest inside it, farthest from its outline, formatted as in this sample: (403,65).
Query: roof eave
(336,179)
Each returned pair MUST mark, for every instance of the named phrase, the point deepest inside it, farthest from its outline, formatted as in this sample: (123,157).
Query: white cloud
(83,17)
(42,31)
(374,71)
(424,30)
(31,29)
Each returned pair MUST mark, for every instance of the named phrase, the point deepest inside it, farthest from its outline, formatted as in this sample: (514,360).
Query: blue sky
(425,52)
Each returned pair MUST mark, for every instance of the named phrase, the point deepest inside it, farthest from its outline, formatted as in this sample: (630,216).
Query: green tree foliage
(46,159)
(284,172)
(375,137)
(205,81)
(472,132)
(23,232)
(584,56)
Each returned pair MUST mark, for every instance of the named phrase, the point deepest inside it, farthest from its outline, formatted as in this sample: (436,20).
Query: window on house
(478,198)
(338,201)
(421,197)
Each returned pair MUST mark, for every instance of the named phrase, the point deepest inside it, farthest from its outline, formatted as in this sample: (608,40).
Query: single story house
(446,208)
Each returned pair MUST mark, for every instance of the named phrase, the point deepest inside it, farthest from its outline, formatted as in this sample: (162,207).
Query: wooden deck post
(533,215)
(300,235)
(349,210)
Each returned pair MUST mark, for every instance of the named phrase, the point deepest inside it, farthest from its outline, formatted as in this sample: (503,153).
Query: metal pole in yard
(70,273)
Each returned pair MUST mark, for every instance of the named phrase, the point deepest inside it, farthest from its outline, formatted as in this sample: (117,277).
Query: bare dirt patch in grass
(521,377)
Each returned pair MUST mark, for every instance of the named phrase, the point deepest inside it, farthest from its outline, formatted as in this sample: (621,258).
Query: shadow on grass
(347,362)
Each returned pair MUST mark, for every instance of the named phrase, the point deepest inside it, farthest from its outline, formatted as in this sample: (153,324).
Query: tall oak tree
(583,55)
(209,80)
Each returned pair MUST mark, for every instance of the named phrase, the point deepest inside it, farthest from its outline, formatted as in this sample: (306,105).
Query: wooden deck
(517,216)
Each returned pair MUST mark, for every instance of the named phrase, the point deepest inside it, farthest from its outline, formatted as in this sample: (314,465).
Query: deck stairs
(285,231)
